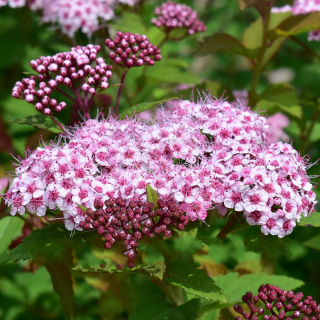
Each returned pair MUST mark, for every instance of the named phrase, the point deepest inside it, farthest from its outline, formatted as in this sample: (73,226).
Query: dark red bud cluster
(132,50)
(79,69)
(172,15)
(280,304)
(128,222)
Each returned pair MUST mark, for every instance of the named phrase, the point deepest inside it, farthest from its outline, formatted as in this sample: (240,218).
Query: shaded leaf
(313,243)
(187,244)
(154,270)
(190,230)
(311,221)
(62,282)
(234,287)
(10,229)
(223,43)
(184,273)
(157,308)
(143,107)
(297,24)
(39,121)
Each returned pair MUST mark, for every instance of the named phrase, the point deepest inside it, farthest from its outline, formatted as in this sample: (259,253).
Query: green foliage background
(240,263)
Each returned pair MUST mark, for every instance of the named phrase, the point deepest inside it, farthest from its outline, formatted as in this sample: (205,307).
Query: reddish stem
(119,91)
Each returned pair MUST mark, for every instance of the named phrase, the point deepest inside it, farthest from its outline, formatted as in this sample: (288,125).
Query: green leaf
(170,74)
(152,197)
(10,229)
(62,282)
(184,273)
(187,244)
(297,24)
(39,121)
(313,243)
(151,255)
(143,107)
(280,96)
(190,230)
(223,43)
(157,308)
(47,243)
(234,287)
(156,269)
(246,3)
(311,221)
(130,22)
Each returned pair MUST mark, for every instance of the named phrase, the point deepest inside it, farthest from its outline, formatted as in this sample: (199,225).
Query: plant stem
(306,137)
(225,230)
(259,63)
(167,291)
(65,94)
(119,91)
(178,292)
(60,125)
(313,53)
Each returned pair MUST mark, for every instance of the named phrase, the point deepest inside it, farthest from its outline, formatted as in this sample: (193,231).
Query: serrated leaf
(184,273)
(234,287)
(152,196)
(10,229)
(154,270)
(47,243)
(223,43)
(62,282)
(157,308)
(297,24)
(39,121)
(143,107)
(311,221)
(313,243)
(190,230)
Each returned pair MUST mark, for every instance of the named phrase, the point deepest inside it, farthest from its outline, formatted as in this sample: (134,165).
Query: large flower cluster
(80,70)
(130,221)
(72,15)
(172,15)
(200,155)
(280,304)
(302,7)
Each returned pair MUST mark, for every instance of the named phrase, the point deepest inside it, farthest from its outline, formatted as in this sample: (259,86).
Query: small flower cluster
(79,69)
(280,304)
(130,221)
(72,15)
(132,50)
(201,155)
(277,123)
(13,3)
(172,15)
(303,7)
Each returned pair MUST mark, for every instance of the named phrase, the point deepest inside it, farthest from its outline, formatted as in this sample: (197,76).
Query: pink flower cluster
(172,15)
(72,15)
(200,155)
(79,70)
(303,7)
(277,123)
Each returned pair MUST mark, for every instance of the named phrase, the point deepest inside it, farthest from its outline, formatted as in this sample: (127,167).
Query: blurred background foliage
(26,290)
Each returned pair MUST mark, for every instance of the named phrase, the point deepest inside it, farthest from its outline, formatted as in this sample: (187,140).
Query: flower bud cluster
(129,221)
(280,304)
(132,50)
(79,70)
(302,7)
(172,15)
